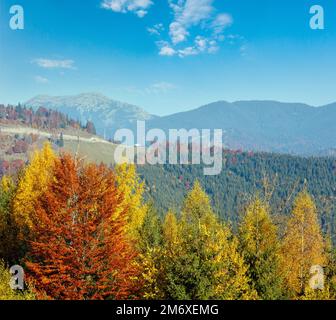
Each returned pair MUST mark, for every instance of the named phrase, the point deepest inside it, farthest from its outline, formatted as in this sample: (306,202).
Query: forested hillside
(41,118)
(23,129)
(278,178)
(83,231)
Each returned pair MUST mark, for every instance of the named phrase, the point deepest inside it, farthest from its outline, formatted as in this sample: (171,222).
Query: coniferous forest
(278,178)
(84,231)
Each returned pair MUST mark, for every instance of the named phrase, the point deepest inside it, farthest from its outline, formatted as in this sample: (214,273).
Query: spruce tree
(260,247)
(201,256)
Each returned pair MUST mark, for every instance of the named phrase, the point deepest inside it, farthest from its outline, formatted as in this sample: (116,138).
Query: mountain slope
(249,125)
(262,125)
(277,177)
(108,115)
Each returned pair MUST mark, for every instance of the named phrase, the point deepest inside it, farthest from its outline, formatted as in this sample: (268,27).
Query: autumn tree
(79,249)
(151,229)
(10,247)
(150,255)
(261,249)
(32,184)
(330,270)
(302,245)
(6,292)
(201,255)
(132,188)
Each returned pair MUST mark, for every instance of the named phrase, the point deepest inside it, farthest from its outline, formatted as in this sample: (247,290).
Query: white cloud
(178,32)
(201,45)
(157,88)
(139,7)
(166,50)
(188,51)
(188,13)
(156,29)
(196,28)
(40,79)
(141,13)
(54,64)
(161,87)
(221,22)
(191,12)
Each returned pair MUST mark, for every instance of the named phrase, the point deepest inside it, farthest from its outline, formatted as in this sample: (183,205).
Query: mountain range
(107,115)
(269,126)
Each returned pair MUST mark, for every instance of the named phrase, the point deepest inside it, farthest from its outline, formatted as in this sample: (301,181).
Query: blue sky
(169,55)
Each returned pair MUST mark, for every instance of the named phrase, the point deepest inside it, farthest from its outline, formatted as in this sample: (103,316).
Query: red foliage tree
(79,249)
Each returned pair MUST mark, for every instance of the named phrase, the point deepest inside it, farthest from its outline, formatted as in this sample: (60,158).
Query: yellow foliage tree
(7,183)
(201,258)
(32,184)
(170,230)
(6,293)
(317,294)
(150,266)
(303,245)
(132,189)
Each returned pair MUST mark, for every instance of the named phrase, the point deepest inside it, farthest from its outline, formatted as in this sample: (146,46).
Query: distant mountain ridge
(108,115)
(270,126)
(263,125)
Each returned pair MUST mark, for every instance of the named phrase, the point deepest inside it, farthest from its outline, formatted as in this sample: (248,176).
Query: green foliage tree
(150,230)
(201,260)
(242,177)
(330,269)
(10,246)
(260,246)
(150,253)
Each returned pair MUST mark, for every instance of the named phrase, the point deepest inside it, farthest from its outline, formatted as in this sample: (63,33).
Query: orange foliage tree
(79,250)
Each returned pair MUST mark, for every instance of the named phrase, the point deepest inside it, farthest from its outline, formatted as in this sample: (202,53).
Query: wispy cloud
(41,80)
(161,87)
(221,22)
(166,49)
(243,50)
(139,7)
(200,15)
(196,26)
(157,29)
(54,64)
(188,13)
(157,88)
(200,45)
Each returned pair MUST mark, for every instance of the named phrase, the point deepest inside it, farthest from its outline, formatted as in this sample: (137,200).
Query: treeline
(278,178)
(83,231)
(42,118)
